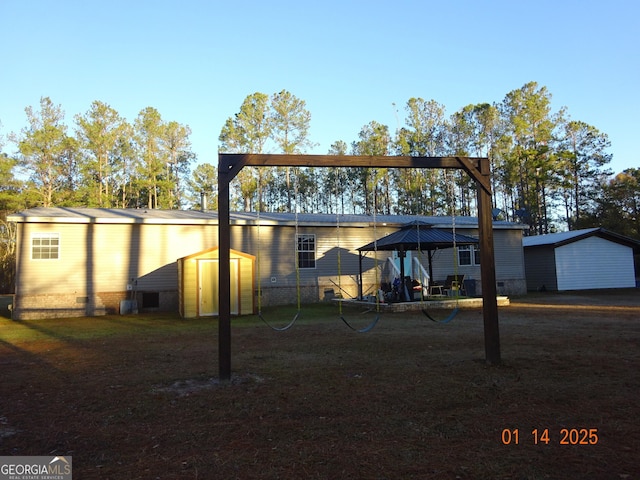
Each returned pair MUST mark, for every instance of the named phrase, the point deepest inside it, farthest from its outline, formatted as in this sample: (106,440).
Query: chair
(435,290)
(454,283)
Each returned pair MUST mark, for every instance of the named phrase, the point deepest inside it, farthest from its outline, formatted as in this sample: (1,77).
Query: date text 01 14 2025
(566,436)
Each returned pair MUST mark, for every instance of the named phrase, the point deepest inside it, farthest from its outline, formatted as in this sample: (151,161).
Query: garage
(591,258)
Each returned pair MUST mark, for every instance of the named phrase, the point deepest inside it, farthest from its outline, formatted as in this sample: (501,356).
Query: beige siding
(509,259)
(120,252)
(276,258)
(246,286)
(181,288)
(190,288)
(508,254)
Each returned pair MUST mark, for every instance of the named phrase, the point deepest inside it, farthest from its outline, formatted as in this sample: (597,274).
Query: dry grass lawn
(136,397)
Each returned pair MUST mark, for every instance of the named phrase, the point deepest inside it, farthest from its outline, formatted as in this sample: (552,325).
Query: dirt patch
(137,397)
(182,388)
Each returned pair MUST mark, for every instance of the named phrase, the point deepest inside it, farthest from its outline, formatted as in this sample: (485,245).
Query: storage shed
(585,259)
(198,284)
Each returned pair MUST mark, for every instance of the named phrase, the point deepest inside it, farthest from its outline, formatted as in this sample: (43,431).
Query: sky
(351,61)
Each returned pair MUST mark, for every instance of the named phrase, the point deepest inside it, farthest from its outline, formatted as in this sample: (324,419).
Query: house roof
(197,217)
(563,238)
(108,215)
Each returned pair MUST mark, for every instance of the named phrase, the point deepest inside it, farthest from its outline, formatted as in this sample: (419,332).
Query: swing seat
(449,317)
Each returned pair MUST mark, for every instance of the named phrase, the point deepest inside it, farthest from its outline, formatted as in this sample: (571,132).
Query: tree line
(548,170)
(106,162)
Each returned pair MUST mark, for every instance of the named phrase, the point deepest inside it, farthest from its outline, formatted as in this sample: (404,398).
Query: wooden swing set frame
(229,165)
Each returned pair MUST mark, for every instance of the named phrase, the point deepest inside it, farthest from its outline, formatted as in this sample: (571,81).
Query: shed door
(208,287)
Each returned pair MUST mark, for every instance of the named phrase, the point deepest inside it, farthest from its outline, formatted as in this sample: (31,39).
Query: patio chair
(454,283)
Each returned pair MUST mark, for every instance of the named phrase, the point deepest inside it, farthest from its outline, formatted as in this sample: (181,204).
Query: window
(45,246)
(306,249)
(468,255)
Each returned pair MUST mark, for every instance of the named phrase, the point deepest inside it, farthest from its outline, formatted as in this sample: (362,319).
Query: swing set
(229,165)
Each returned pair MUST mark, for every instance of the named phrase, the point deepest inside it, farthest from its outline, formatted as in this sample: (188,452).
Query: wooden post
(488,269)
(360,291)
(224,273)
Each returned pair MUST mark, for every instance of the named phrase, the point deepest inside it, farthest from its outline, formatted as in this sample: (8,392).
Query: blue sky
(351,61)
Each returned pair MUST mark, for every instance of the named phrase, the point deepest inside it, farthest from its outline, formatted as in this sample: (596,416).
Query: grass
(137,396)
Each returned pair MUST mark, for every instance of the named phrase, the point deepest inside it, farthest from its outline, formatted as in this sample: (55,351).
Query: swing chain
(455,256)
(258,259)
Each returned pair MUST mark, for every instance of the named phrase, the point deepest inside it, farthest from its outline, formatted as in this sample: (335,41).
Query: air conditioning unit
(128,307)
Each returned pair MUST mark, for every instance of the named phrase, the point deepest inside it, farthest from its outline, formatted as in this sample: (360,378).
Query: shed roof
(563,238)
(215,249)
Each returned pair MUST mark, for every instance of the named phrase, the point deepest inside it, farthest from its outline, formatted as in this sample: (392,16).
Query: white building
(585,259)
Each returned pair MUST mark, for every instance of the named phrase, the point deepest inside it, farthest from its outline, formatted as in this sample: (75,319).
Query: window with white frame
(45,246)
(306,250)
(468,255)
